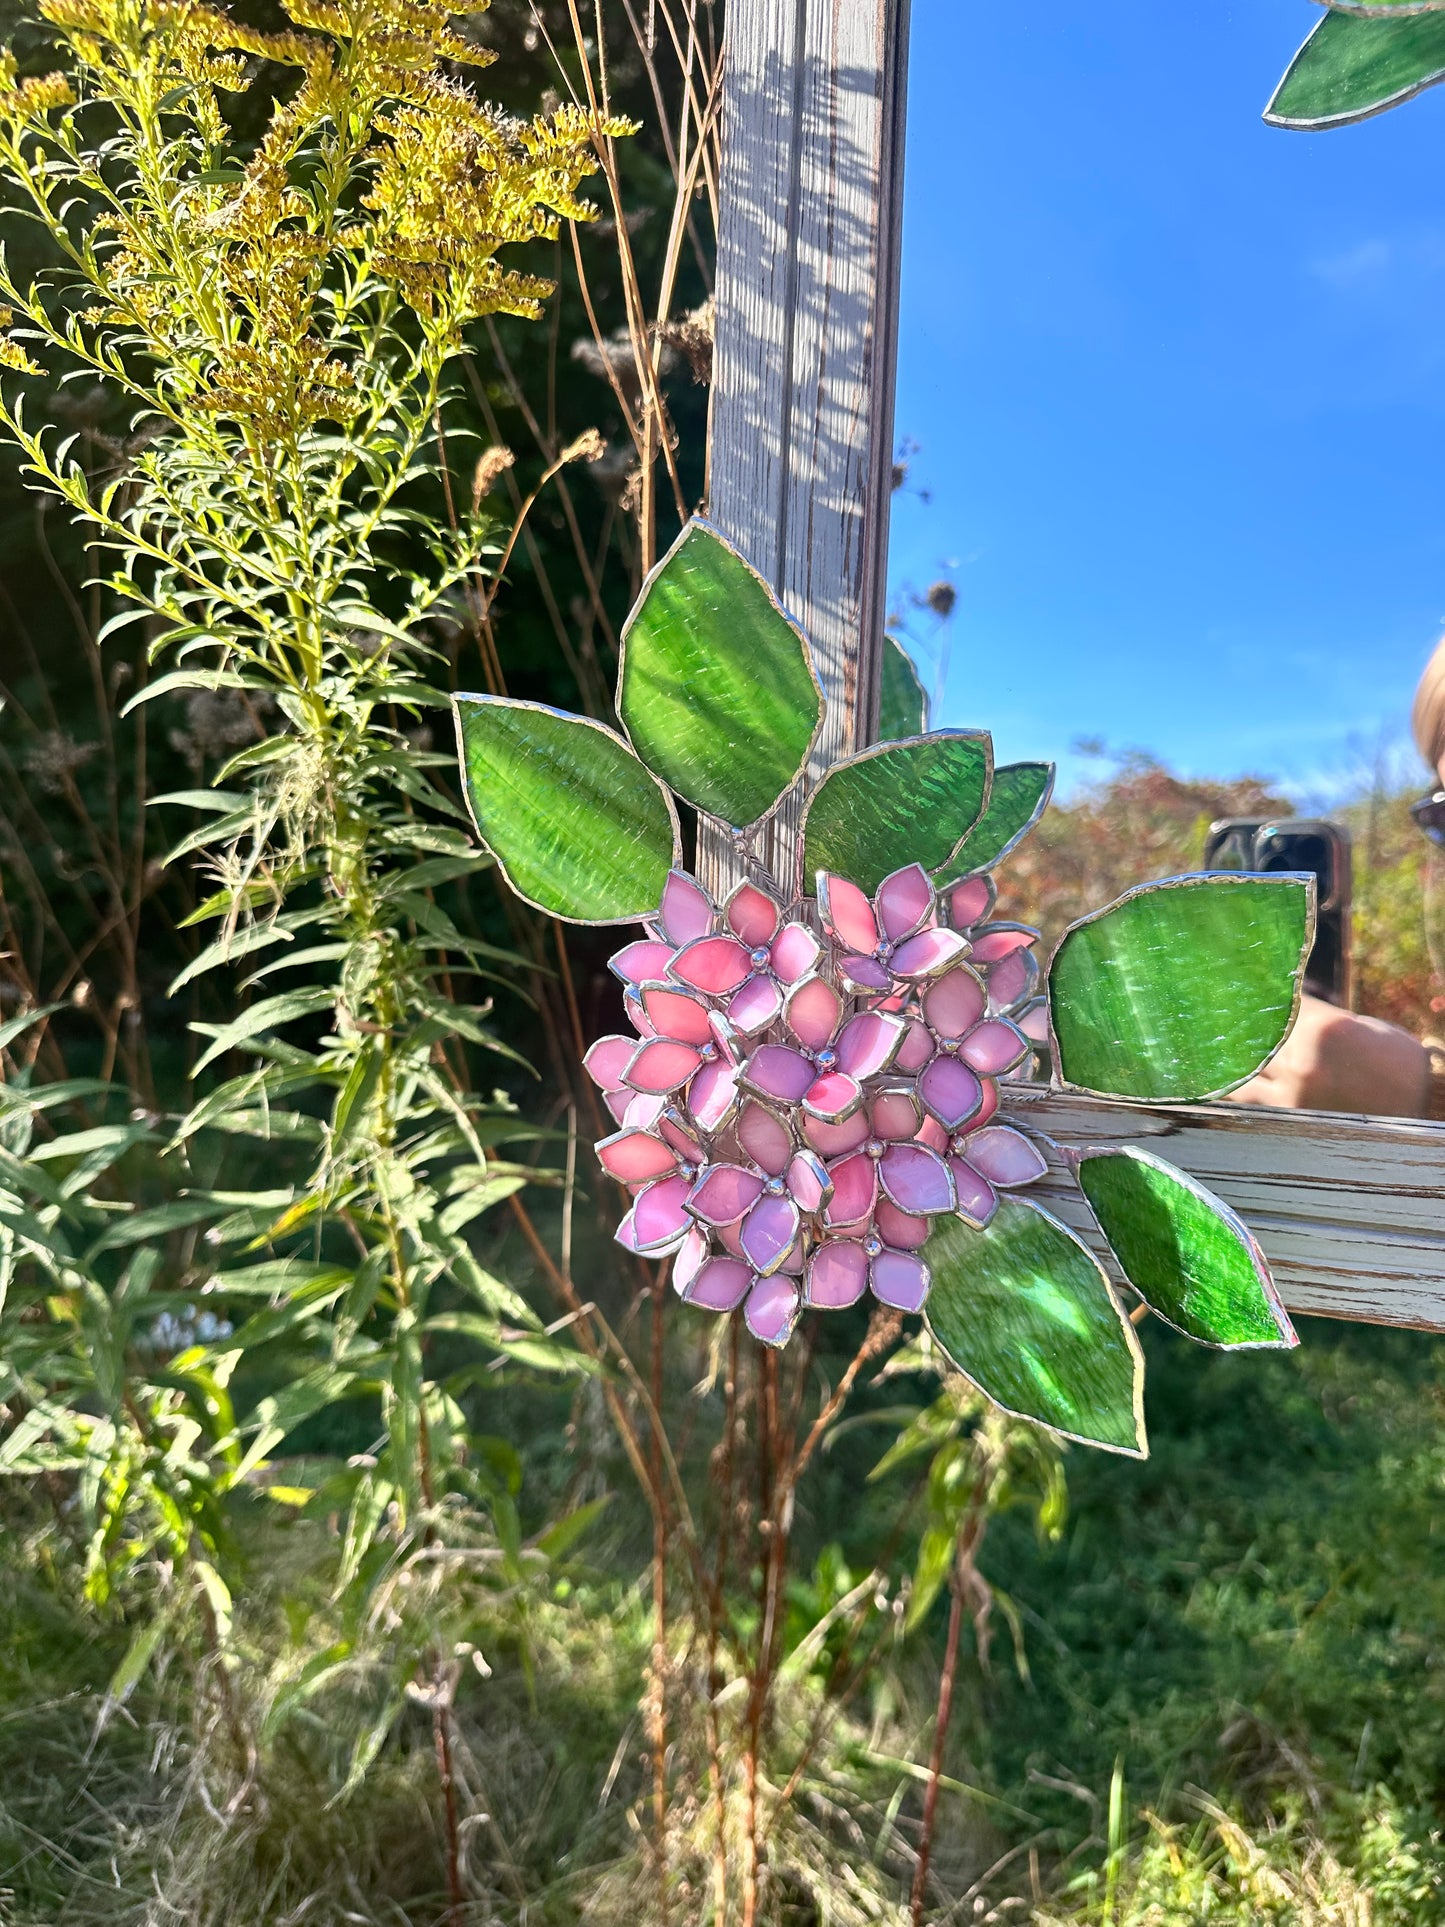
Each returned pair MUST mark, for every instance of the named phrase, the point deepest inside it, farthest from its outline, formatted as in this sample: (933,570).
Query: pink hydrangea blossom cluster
(808,1089)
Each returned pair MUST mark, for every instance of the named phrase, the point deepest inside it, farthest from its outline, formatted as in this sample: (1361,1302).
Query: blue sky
(1178,385)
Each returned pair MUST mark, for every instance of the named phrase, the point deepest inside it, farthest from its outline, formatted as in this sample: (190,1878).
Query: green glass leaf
(577,825)
(900,803)
(902,704)
(1189,1257)
(1182,989)
(1025,1311)
(1352,66)
(1019,797)
(716,690)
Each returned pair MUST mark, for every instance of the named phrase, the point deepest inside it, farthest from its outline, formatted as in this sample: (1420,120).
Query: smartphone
(1300,844)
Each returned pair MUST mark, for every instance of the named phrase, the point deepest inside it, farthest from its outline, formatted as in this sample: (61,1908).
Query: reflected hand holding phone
(1301,845)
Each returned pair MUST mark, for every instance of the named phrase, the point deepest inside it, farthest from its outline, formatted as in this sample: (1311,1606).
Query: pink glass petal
(1001,940)
(838,1275)
(994,1047)
(777,1072)
(673,1013)
(755,1006)
(904,902)
(626,1233)
(725,1036)
(899,1279)
(642,962)
(1012,979)
(660,1220)
(916,1179)
(723,1193)
(894,1114)
(951,1091)
(808,1182)
(715,965)
(1006,1157)
(635,1157)
(812,1013)
(857,1233)
(970,901)
(618,1102)
(847,913)
(932,1134)
(855,1187)
(712,1096)
(752,915)
(768,1233)
(977,1199)
(864,974)
(721,1285)
(833,1098)
(643,1111)
(730,1240)
(772,1310)
(765,1139)
(606,1063)
(692,1255)
(954,1004)
(915,1050)
(988,1107)
(836,1140)
(687,910)
(869,1042)
(636,1015)
(672,1128)
(796,1259)
(659,1065)
(795,950)
(1034,1022)
(928,954)
(897,1228)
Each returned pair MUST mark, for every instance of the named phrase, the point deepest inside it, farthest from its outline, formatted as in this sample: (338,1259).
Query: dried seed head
(491,467)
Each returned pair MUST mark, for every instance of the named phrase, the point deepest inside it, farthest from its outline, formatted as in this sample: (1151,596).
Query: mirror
(1167,506)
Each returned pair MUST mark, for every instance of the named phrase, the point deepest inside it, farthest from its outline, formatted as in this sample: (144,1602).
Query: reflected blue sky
(1177,382)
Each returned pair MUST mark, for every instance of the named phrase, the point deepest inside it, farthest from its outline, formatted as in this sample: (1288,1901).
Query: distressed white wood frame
(1350,1211)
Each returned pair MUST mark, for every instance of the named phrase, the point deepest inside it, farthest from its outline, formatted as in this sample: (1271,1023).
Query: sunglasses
(1429,813)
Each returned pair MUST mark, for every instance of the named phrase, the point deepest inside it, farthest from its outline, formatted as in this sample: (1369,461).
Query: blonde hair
(1428,717)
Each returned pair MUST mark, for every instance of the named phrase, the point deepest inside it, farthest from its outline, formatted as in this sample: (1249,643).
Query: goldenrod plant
(280,314)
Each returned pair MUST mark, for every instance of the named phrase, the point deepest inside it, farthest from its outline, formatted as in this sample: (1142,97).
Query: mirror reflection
(1166,507)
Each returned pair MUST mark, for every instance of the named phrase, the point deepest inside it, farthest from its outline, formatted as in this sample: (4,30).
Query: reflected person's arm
(1334,1060)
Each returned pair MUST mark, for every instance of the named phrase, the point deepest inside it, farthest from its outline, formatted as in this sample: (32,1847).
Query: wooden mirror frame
(1350,1210)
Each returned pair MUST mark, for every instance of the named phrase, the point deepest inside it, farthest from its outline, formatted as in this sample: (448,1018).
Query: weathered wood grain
(807,307)
(1350,1210)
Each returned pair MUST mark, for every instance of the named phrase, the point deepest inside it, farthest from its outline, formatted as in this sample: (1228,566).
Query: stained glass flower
(893,940)
(797,1106)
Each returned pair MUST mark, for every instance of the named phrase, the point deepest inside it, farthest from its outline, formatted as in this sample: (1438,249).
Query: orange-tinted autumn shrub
(1142,822)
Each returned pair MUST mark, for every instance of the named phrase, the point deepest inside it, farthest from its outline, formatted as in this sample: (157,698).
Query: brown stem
(626,1431)
(780,1467)
(770,1526)
(971,1529)
(442,1736)
(659,1595)
(714,1626)
(940,1737)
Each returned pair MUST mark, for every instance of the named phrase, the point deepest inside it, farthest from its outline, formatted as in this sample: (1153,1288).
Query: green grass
(1241,1638)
